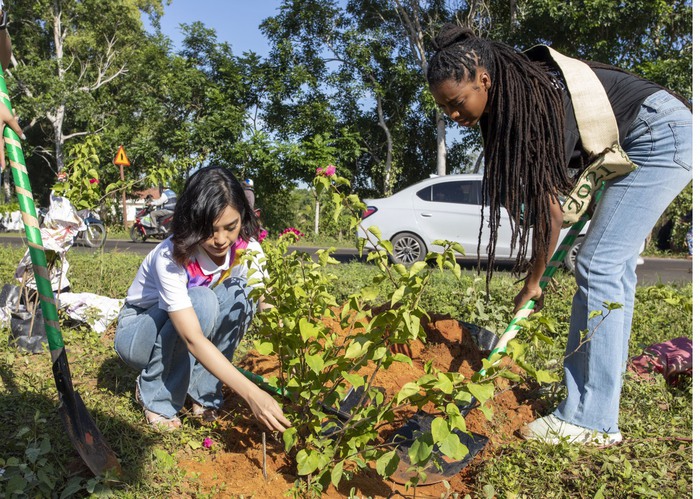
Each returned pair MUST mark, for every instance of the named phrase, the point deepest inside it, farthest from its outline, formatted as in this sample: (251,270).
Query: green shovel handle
(31,229)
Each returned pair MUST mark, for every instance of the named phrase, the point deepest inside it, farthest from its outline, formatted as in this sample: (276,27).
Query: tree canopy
(344,83)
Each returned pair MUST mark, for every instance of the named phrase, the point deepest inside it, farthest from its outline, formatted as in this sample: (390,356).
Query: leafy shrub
(318,366)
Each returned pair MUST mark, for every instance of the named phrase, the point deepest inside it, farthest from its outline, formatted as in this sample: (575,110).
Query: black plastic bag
(30,340)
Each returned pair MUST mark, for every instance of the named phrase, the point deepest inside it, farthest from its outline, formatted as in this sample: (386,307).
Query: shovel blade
(440,467)
(87,439)
(82,432)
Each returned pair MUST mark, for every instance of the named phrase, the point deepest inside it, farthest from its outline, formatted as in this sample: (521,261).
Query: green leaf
(290,438)
(354,379)
(406,391)
(439,429)
(263,347)
(337,474)
(397,295)
(379,353)
(421,449)
(545,377)
(453,448)
(444,384)
(307,462)
(417,267)
(72,487)
(15,485)
(482,392)
(387,463)
(307,330)
(315,362)
(374,230)
(354,350)
(456,419)
(369,293)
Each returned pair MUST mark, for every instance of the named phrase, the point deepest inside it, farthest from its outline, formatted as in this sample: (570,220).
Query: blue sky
(235,21)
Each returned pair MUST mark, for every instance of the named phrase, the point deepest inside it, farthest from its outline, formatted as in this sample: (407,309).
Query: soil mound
(237,467)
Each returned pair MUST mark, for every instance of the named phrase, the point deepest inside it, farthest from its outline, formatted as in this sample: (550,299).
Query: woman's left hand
(7,118)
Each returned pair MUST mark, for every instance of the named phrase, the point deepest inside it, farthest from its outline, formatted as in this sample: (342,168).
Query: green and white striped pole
(80,427)
(525,311)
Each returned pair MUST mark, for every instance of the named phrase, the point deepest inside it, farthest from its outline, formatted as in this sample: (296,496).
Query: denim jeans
(147,341)
(659,143)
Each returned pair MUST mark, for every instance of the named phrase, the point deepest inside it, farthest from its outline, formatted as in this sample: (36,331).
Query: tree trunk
(388,183)
(410,19)
(441,143)
(318,215)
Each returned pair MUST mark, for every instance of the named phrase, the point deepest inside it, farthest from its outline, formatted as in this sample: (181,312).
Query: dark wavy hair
(207,193)
(523,134)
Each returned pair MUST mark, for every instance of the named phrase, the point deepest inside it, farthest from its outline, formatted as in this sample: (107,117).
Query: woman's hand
(529,292)
(266,410)
(7,118)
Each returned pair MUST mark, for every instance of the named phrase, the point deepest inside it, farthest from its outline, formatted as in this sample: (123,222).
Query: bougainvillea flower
(94,181)
(291,230)
(263,235)
(327,171)
(207,443)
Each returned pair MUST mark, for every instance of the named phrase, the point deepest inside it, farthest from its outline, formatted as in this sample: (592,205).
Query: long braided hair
(523,134)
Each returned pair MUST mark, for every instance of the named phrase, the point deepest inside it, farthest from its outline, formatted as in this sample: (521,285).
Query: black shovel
(82,432)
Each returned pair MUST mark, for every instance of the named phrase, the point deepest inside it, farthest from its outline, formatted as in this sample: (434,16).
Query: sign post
(121,160)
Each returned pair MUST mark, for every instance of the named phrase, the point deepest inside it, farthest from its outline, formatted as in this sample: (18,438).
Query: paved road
(653,271)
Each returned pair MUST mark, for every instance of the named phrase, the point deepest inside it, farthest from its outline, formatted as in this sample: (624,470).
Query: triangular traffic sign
(120,159)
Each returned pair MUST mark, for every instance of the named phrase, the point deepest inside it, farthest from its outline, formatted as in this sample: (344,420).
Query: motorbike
(144,226)
(95,233)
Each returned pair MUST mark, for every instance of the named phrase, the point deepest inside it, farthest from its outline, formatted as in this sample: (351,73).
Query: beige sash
(599,135)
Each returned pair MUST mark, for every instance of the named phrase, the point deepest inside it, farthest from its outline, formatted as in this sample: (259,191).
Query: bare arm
(264,407)
(531,288)
(6,117)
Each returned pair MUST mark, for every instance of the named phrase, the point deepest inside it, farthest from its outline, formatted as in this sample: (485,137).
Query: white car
(442,208)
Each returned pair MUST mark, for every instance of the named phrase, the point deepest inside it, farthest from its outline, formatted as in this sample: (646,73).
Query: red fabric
(672,359)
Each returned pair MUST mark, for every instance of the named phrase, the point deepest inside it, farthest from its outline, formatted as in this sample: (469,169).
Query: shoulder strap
(594,115)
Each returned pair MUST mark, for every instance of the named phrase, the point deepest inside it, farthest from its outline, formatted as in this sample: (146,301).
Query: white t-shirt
(162,281)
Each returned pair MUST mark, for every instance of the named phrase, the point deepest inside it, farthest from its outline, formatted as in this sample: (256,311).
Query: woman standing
(533,154)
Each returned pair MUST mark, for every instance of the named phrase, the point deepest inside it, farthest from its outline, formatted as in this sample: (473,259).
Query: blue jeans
(659,143)
(147,341)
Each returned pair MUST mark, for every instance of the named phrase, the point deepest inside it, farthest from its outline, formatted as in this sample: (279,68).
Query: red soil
(234,465)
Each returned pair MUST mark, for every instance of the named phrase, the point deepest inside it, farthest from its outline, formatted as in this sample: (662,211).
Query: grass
(37,459)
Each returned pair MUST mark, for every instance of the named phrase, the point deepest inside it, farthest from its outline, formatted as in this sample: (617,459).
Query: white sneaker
(552,430)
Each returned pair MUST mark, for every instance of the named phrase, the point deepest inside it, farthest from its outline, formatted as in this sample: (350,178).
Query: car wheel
(408,248)
(570,258)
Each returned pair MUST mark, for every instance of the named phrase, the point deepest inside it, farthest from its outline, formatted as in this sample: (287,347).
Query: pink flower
(328,171)
(207,443)
(262,235)
(94,181)
(291,230)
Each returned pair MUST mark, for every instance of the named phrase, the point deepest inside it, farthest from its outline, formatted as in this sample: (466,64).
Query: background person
(166,206)
(530,137)
(188,307)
